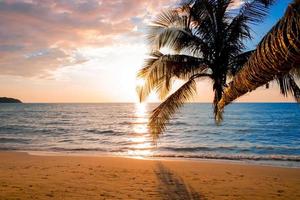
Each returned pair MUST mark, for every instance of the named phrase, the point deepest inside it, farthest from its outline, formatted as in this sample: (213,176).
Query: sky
(89,50)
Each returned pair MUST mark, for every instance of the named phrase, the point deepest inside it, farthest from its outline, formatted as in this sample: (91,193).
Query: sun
(140,82)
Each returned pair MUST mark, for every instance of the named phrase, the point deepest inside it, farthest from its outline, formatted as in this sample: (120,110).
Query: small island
(9,100)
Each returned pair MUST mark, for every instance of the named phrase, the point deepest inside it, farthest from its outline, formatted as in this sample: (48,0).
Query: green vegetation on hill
(9,100)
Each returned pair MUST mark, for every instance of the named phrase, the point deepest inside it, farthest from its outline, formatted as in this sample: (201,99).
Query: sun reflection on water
(141,142)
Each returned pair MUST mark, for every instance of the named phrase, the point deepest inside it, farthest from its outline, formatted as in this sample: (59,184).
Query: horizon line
(152,102)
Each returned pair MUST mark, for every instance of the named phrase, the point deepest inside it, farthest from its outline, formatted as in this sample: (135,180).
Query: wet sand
(24,176)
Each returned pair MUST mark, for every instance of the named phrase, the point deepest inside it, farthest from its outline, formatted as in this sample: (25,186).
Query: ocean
(265,133)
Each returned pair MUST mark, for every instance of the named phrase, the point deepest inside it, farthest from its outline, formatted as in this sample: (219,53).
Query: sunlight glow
(141,142)
(140,82)
(141,112)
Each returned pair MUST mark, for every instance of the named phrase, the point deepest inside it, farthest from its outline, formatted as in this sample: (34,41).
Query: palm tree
(206,40)
(277,57)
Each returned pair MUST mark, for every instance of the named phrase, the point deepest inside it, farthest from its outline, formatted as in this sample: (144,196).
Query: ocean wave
(104,132)
(8,128)
(136,117)
(126,149)
(16,128)
(234,157)
(61,122)
(266,147)
(49,131)
(178,123)
(77,149)
(134,134)
(8,149)
(193,149)
(191,134)
(15,140)
(230,148)
(65,140)
(133,123)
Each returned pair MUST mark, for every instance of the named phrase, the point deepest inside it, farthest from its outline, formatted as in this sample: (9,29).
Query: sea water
(267,133)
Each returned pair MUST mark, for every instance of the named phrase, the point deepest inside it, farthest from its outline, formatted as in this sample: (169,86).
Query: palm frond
(267,2)
(238,62)
(295,90)
(277,54)
(254,11)
(163,89)
(161,115)
(239,28)
(288,86)
(166,37)
(296,71)
(160,69)
(205,39)
(176,29)
(168,18)
(203,10)
(178,39)
(166,25)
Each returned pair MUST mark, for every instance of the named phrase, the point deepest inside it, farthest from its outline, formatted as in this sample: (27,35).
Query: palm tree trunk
(218,90)
(218,95)
(277,53)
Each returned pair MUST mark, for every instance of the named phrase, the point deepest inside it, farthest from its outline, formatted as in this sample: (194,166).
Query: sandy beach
(24,176)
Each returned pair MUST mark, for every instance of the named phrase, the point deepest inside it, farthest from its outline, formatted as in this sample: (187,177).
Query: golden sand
(24,176)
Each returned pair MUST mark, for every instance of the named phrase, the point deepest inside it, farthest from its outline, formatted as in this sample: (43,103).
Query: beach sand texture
(24,176)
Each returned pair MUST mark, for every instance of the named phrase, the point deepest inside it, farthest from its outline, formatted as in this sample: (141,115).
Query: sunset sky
(88,50)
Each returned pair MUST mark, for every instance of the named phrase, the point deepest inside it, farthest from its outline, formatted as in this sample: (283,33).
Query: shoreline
(26,176)
(266,163)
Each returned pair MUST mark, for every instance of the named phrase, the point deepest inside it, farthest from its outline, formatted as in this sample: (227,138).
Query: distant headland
(9,100)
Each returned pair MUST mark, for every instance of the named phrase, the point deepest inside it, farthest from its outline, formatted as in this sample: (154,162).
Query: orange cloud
(52,30)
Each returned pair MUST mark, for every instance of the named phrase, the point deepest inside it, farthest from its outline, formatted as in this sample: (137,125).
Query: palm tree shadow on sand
(172,186)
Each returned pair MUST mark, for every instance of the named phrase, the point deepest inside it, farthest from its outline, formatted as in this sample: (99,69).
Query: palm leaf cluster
(276,57)
(205,39)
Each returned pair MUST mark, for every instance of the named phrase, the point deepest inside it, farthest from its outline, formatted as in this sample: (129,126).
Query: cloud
(39,36)
(237,4)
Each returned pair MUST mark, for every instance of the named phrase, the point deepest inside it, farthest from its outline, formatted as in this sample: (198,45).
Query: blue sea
(266,133)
